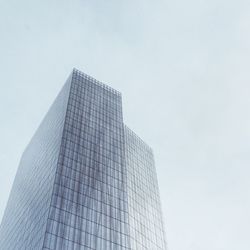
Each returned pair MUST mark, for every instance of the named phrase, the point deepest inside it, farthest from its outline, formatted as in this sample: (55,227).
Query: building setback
(85,181)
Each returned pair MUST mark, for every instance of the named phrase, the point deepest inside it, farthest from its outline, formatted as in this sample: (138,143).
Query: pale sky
(183,69)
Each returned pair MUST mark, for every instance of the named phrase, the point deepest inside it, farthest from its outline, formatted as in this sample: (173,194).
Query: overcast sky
(183,69)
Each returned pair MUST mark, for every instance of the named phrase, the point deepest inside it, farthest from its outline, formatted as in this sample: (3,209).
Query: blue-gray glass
(145,216)
(89,207)
(84,179)
(25,217)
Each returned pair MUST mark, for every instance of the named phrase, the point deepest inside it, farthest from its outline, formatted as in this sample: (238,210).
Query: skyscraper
(85,181)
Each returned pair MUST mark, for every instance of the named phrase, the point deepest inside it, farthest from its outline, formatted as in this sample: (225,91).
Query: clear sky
(183,69)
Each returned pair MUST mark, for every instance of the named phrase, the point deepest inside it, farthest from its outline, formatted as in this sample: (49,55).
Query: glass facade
(25,218)
(85,181)
(144,208)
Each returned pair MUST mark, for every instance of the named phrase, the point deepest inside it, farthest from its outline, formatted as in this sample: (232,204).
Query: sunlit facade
(85,181)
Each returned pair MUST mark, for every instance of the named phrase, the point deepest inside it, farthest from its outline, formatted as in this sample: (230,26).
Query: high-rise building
(85,181)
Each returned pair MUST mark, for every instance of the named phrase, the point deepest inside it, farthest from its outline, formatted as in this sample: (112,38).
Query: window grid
(85,181)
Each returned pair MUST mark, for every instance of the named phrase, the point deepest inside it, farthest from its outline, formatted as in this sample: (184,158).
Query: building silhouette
(85,181)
